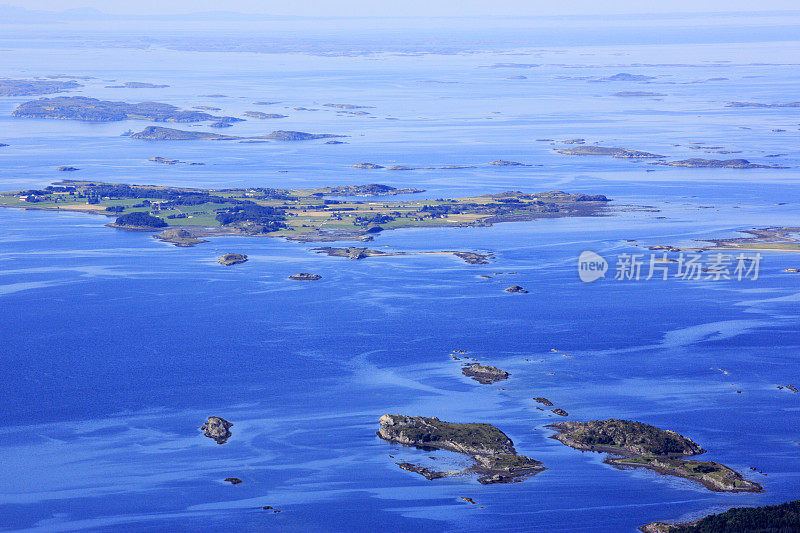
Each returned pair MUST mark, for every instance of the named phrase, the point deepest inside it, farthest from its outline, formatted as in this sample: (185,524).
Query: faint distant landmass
(136,85)
(756,104)
(94,110)
(638,93)
(624,76)
(9,87)
(158,133)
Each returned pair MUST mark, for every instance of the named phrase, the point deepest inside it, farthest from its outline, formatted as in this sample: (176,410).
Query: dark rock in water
(560,412)
(400,167)
(573,141)
(232,259)
(67,169)
(544,401)
(484,374)
(218,429)
(367,166)
(3,144)
(468,500)
(473,258)
(516,289)
(233,480)
(305,276)
(501,163)
(335,142)
(427,473)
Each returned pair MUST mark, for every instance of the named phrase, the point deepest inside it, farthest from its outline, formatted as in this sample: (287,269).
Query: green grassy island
(307,215)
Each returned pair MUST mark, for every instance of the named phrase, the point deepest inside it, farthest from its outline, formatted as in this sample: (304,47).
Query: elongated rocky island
(623,153)
(159,133)
(496,459)
(634,444)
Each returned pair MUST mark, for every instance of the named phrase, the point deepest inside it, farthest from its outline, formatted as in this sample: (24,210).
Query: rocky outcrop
(217,428)
(232,259)
(179,237)
(66,168)
(370,166)
(484,374)
(516,289)
(496,460)
(501,163)
(305,276)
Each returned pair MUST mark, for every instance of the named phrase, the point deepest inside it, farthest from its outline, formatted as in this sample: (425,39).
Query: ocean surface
(115,347)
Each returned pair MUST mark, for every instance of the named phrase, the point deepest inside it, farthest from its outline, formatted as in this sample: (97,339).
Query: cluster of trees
(377,218)
(140,219)
(270,218)
(772,518)
(174,196)
(115,208)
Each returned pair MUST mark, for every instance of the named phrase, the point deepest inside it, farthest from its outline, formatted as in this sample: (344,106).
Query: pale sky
(366,8)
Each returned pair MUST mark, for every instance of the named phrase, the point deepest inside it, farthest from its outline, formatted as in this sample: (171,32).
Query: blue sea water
(115,347)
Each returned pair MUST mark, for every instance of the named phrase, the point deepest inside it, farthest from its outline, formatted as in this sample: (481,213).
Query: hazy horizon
(409,8)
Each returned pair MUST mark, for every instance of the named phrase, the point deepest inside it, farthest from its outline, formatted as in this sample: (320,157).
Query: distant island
(9,87)
(298,214)
(624,153)
(756,104)
(637,93)
(137,85)
(262,116)
(496,460)
(714,163)
(780,238)
(158,133)
(94,110)
(637,445)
